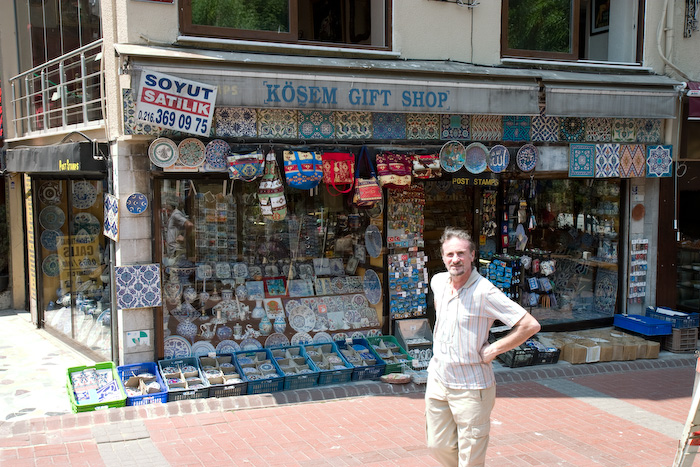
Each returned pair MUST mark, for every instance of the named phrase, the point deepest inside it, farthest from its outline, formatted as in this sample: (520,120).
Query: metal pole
(84,84)
(63,94)
(44,99)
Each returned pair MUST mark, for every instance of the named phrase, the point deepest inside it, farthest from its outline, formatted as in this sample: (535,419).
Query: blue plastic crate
(361,373)
(336,376)
(298,381)
(643,325)
(127,371)
(178,394)
(223,389)
(260,386)
(678,319)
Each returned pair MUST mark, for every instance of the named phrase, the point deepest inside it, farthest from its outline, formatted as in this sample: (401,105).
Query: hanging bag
(394,170)
(273,204)
(303,170)
(338,172)
(246,167)
(426,166)
(367,190)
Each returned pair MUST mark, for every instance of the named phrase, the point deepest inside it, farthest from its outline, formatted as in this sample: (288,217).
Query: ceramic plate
(204,271)
(498,158)
(240,270)
(302,319)
(227,346)
(176,347)
(137,203)
(202,349)
(223,270)
(84,194)
(374,333)
(322,337)
(163,152)
(215,155)
(191,152)
(87,222)
(52,218)
(527,157)
(302,338)
(475,158)
(372,286)
(250,344)
(50,192)
(50,265)
(339,336)
(452,156)
(276,339)
(373,241)
(49,239)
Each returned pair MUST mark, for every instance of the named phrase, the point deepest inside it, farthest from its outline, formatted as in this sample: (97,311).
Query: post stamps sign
(176,103)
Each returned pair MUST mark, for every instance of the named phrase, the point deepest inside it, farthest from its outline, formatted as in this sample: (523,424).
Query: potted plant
(4,249)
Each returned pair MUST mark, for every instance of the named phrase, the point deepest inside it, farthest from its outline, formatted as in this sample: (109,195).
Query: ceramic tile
(632,160)
(598,129)
(131,126)
(389,125)
(353,125)
(649,130)
(544,128)
(607,160)
(516,128)
(486,127)
(572,129)
(605,291)
(277,123)
(581,160)
(623,130)
(316,124)
(111,217)
(659,161)
(138,286)
(454,126)
(235,122)
(423,126)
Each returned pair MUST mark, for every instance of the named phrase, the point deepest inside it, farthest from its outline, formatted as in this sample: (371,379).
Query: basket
(546,357)
(677,319)
(361,373)
(297,381)
(260,386)
(392,367)
(176,392)
(336,376)
(222,389)
(78,407)
(128,371)
(518,357)
(682,340)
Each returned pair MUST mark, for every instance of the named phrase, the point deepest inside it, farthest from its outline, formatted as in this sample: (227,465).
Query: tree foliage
(542,25)
(254,15)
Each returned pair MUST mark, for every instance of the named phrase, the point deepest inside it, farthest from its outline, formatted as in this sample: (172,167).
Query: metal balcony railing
(62,94)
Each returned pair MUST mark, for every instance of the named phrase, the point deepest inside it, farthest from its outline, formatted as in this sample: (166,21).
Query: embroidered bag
(367,190)
(394,170)
(303,170)
(338,172)
(273,204)
(426,166)
(246,167)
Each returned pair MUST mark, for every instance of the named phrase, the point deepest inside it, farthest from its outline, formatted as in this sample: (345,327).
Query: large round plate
(84,194)
(50,265)
(202,349)
(191,152)
(373,241)
(137,203)
(50,192)
(475,158)
(372,286)
(176,347)
(87,222)
(163,152)
(302,338)
(322,338)
(227,346)
(452,156)
(250,344)
(215,155)
(302,319)
(498,158)
(527,157)
(52,218)
(49,239)
(276,339)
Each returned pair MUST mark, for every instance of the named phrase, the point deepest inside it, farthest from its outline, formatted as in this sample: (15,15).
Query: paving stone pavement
(603,414)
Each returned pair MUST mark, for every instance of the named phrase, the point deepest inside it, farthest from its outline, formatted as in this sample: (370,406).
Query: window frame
(187,28)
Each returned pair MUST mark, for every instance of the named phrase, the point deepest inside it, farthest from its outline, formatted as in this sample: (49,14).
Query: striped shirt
(462,329)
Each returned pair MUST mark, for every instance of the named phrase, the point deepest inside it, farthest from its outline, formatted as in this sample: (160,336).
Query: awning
(70,158)
(576,100)
(693,100)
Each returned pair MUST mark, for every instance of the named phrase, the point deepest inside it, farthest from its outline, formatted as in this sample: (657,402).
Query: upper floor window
(597,30)
(356,23)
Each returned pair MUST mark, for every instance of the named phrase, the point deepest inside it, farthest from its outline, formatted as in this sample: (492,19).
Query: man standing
(461,388)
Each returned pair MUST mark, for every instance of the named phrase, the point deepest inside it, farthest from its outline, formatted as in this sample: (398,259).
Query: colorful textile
(235,122)
(607,160)
(316,124)
(389,125)
(632,160)
(624,130)
(423,126)
(598,129)
(572,129)
(649,130)
(581,160)
(659,161)
(486,127)
(544,128)
(454,126)
(353,125)
(516,128)
(277,123)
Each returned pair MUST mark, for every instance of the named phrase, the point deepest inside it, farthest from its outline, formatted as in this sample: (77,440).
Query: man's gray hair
(454,232)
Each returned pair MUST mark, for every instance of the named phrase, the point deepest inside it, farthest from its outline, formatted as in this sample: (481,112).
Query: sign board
(175,103)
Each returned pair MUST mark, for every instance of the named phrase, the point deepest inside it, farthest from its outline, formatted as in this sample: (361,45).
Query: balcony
(63,94)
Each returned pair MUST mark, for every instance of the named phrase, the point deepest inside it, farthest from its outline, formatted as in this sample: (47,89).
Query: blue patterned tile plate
(372,286)
(215,155)
(84,194)
(452,156)
(163,152)
(137,203)
(475,158)
(52,218)
(49,239)
(176,347)
(191,152)
(527,157)
(498,158)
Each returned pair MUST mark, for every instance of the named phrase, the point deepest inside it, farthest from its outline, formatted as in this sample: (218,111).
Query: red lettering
(173,101)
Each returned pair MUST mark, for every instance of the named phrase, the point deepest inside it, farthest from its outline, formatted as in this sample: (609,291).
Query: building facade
(553,147)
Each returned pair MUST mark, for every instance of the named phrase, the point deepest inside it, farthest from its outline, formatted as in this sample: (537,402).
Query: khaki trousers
(458,423)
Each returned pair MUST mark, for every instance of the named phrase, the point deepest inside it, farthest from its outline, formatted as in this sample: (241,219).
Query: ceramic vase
(280,324)
(258,312)
(224,332)
(265,326)
(187,329)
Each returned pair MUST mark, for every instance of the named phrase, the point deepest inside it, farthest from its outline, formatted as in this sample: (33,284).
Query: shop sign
(81,258)
(68,165)
(175,103)
(475,181)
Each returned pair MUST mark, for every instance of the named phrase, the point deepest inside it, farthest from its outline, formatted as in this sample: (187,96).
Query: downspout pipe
(668,30)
